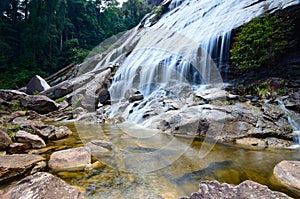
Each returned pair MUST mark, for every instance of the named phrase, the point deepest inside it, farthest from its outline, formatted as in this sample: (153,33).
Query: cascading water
(294,120)
(185,44)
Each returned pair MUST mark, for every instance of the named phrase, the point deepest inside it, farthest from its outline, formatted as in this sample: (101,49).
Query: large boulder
(36,84)
(70,159)
(4,139)
(42,185)
(39,103)
(288,173)
(247,189)
(34,140)
(12,166)
(223,123)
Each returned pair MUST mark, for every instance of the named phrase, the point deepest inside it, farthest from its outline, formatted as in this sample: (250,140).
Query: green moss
(157,13)
(77,101)
(262,41)
(16,106)
(12,130)
(58,100)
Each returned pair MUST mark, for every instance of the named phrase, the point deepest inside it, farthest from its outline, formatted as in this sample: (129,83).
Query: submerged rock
(288,173)
(42,185)
(247,189)
(60,132)
(36,84)
(12,166)
(70,159)
(39,103)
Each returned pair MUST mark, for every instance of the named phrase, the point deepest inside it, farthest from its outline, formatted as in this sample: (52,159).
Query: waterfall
(294,120)
(188,45)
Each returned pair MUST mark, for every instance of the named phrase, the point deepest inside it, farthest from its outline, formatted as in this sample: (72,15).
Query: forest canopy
(41,36)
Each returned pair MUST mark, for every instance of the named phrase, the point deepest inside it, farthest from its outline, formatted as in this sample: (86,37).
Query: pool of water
(180,176)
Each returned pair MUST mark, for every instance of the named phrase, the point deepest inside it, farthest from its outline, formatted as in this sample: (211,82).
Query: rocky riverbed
(248,118)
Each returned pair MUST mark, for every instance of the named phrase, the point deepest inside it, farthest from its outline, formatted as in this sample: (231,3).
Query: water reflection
(225,163)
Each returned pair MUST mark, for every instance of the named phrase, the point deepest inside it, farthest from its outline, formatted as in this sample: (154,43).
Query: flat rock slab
(42,185)
(288,173)
(34,140)
(70,159)
(247,189)
(18,164)
(39,103)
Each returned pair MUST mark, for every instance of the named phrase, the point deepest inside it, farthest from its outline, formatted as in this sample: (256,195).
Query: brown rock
(4,139)
(34,140)
(60,132)
(39,103)
(70,159)
(247,189)
(15,165)
(18,147)
(288,173)
(42,185)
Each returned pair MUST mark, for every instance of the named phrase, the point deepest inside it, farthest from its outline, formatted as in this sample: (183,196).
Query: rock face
(12,166)
(288,173)
(4,139)
(223,123)
(42,185)
(293,101)
(70,159)
(36,84)
(39,103)
(34,140)
(247,189)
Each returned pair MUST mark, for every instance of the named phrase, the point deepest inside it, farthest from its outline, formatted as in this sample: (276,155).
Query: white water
(185,45)
(294,120)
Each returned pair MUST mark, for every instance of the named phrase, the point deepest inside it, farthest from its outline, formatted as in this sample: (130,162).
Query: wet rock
(36,84)
(211,94)
(42,185)
(288,173)
(252,142)
(104,97)
(70,159)
(39,103)
(34,140)
(247,189)
(46,131)
(272,112)
(222,122)
(18,147)
(293,101)
(96,149)
(4,139)
(278,143)
(60,132)
(12,166)
(103,143)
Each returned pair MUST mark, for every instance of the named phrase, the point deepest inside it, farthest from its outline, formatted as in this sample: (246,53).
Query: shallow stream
(228,163)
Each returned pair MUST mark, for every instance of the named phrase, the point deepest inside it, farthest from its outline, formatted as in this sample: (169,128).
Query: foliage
(76,102)
(58,100)
(12,129)
(41,37)
(262,41)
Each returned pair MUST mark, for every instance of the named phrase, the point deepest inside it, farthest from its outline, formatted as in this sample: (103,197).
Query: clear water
(225,163)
